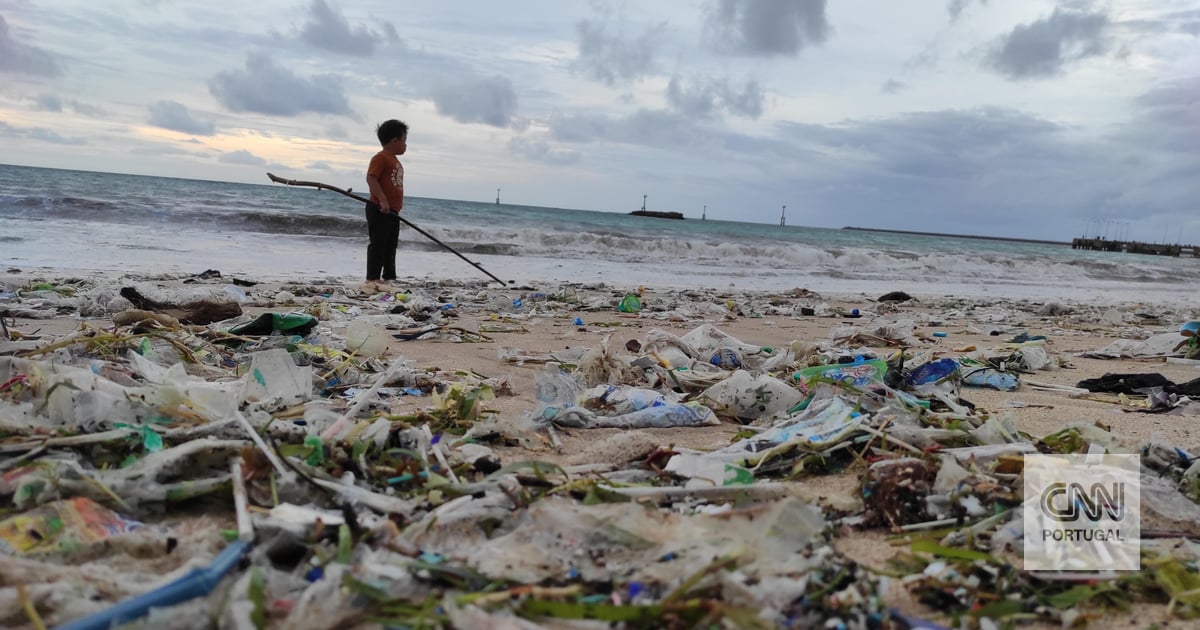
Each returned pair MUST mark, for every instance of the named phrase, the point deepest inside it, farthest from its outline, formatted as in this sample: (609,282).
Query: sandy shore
(556,319)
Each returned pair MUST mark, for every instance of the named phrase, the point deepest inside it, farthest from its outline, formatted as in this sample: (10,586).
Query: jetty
(1102,244)
(1093,243)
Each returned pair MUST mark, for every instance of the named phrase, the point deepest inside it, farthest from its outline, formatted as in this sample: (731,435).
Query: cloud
(267,88)
(328,29)
(653,128)
(176,117)
(892,86)
(541,151)
(766,27)
(491,101)
(612,57)
(241,156)
(1168,124)
(18,58)
(37,133)
(1044,48)
(319,166)
(157,148)
(706,98)
(49,102)
(87,109)
(956,7)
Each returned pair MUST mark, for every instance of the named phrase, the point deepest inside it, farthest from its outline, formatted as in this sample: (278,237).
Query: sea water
(69,221)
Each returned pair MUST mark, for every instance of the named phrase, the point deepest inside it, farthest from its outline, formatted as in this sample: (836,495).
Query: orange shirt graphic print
(398,176)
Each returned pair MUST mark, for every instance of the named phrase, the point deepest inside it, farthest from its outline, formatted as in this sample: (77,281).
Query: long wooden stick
(320,186)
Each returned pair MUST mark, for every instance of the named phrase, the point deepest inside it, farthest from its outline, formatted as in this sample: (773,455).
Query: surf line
(364,199)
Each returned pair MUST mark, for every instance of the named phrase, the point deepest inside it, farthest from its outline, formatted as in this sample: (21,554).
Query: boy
(385,179)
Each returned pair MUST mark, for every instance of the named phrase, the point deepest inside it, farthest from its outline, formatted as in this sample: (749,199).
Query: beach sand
(768,319)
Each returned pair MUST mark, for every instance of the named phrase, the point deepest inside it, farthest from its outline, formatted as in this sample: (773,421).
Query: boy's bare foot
(370,286)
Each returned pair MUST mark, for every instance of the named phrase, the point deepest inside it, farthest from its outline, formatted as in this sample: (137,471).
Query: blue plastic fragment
(431,558)
(196,583)
(932,372)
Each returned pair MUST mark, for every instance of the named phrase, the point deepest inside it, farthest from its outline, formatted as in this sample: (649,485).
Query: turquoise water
(72,220)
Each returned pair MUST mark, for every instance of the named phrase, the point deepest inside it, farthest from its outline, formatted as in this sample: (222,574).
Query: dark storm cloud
(1170,122)
(612,57)
(1007,169)
(328,29)
(267,88)
(176,117)
(1044,48)
(491,101)
(18,58)
(766,27)
(37,133)
(542,151)
(706,98)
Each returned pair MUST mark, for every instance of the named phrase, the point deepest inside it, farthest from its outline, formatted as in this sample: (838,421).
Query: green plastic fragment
(317,456)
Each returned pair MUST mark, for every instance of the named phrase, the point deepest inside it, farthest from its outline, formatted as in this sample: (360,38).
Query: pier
(1101,244)
(1093,243)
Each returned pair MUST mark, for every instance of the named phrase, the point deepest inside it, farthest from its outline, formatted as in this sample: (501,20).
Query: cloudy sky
(1027,118)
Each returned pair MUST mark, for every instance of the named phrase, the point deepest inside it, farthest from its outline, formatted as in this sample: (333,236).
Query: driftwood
(199,312)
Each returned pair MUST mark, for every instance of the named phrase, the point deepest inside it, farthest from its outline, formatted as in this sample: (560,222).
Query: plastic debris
(291,470)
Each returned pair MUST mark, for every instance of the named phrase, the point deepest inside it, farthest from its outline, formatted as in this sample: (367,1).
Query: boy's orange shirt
(388,170)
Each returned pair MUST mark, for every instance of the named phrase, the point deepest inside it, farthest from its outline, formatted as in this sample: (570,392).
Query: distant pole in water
(782,216)
(497,196)
(704,213)
(644,201)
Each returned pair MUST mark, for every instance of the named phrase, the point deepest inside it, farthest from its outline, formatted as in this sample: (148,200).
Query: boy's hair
(389,129)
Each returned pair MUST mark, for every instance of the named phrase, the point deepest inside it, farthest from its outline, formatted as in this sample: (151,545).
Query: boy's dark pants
(384,232)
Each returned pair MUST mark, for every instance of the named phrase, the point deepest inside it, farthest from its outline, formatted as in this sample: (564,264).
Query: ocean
(75,221)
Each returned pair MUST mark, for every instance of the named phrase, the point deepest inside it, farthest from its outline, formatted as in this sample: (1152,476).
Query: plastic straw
(244,526)
(197,583)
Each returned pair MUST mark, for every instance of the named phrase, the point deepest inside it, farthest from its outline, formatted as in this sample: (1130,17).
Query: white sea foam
(84,221)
